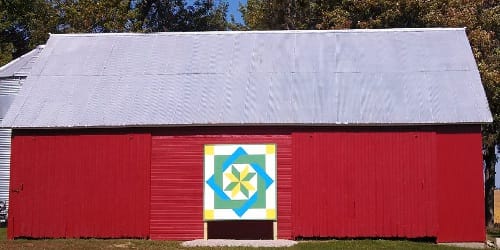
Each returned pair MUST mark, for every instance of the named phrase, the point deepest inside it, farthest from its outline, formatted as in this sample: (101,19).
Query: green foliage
(6,51)
(175,15)
(92,16)
(27,23)
(23,25)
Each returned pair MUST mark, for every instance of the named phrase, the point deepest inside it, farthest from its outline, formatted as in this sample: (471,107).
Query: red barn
(284,134)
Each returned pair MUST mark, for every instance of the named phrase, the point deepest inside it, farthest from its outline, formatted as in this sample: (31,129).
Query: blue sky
(233,9)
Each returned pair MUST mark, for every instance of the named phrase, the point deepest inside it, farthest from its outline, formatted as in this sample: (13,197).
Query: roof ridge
(261,32)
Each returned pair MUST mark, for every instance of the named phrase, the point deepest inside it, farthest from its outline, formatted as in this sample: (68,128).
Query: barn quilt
(240,182)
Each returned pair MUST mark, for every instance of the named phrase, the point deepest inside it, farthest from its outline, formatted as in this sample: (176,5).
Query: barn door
(182,188)
(364,183)
(74,185)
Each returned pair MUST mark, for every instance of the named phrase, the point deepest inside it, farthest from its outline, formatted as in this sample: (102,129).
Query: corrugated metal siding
(4,163)
(461,187)
(8,90)
(177,181)
(364,183)
(80,185)
(10,86)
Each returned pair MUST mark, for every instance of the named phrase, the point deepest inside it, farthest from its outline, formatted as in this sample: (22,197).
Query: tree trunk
(489,185)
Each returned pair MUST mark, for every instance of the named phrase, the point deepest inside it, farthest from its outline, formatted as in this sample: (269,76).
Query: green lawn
(148,244)
(494,233)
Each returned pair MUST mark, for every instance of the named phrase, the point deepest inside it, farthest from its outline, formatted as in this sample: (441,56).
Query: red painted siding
(177,181)
(347,182)
(364,183)
(461,187)
(80,185)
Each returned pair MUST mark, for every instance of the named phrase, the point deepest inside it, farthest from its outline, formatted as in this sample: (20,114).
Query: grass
(149,244)
(494,232)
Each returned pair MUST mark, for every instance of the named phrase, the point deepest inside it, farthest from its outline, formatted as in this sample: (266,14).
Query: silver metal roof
(357,77)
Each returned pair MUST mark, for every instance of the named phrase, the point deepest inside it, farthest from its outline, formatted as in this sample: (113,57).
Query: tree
(176,15)
(93,16)
(23,25)
(481,17)
(207,16)
(27,23)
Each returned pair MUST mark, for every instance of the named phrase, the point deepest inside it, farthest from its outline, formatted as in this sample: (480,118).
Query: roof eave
(254,125)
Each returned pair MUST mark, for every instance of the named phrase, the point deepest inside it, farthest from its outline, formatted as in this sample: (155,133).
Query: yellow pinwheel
(240,181)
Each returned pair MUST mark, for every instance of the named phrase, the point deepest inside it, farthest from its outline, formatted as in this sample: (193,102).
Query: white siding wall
(9,87)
